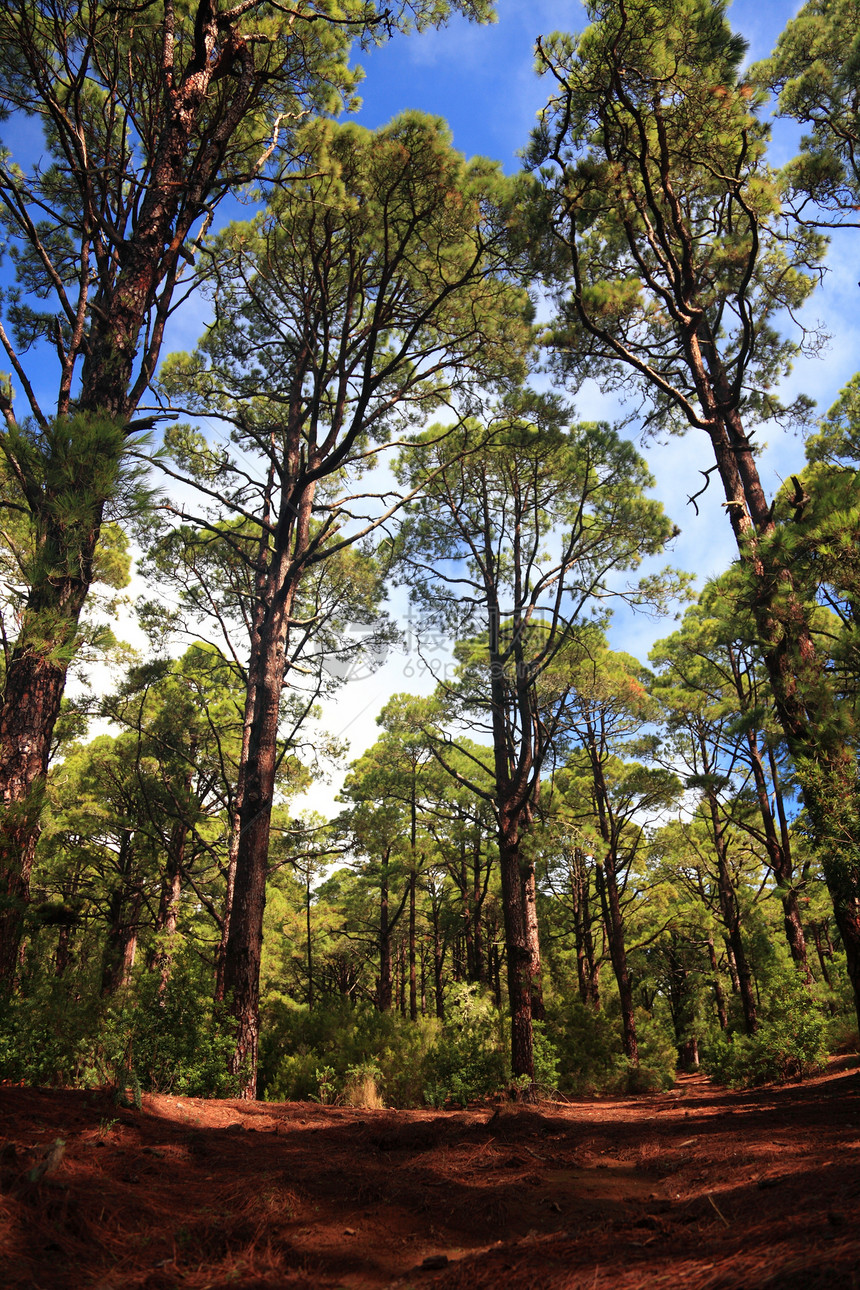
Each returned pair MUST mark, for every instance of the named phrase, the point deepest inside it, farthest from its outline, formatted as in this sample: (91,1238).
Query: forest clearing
(698,1186)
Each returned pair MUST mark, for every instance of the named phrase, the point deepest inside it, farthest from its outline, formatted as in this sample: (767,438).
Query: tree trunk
(34,685)
(729,906)
(816,934)
(607,884)
(535,971)
(63,952)
(517,948)
(123,922)
(245,933)
(147,258)
(413,994)
(384,986)
(732,964)
(161,958)
(309,936)
(587,969)
(277,584)
(438,965)
(496,975)
(777,842)
(803,696)
(401,976)
(718,989)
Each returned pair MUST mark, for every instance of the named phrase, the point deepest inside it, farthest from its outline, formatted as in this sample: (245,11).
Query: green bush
(588,1048)
(546,1059)
(171,1042)
(469,1058)
(176,1042)
(295,1043)
(791,1042)
(658,1057)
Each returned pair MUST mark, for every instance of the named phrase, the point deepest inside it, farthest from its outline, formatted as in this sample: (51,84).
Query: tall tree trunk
(277,584)
(587,968)
(496,975)
(729,906)
(816,934)
(517,948)
(607,885)
(309,936)
(401,976)
(803,697)
(438,963)
(413,994)
(732,964)
(34,684)
(161,958)
(777,841)
(180,186)
(533,939)
(479,891)
(384,991)
(243,950)
(63,952)
(123,922)
(720,997)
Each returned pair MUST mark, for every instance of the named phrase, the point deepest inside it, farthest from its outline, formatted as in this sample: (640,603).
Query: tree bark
(607,885)
(413,994)
(517,948)
(533,939)
(123,923)
(719,995)
(161,958)
(384,990)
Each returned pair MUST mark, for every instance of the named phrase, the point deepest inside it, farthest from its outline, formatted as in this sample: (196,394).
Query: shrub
(295,1043)
(362,1086)
(546,1059)
(468,1060)
(588,1048)
(789,1044)
(158,1042)
(658,1057)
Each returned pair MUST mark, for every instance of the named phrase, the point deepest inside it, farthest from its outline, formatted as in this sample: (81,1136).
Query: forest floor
(698,1187)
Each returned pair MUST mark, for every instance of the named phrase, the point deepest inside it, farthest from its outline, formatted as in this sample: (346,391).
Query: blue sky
(481,78)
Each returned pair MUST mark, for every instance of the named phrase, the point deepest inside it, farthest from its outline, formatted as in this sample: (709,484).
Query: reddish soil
(695,1188)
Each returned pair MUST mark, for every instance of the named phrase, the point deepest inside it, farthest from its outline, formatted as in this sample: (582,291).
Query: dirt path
(695,1188)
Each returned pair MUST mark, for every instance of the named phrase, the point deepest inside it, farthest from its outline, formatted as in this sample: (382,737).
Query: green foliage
(296,1045)
(128,1092)
(141,1040)
(658,1056)
(468,1060)
(791,1041)
(590,1056)
(547,1062)
(336,1052)
(325,1093)
(814,73)
(652,184)
(588,1044)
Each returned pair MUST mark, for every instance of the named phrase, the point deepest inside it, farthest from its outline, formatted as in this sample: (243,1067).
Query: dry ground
(698,1188)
